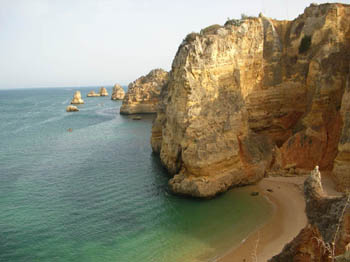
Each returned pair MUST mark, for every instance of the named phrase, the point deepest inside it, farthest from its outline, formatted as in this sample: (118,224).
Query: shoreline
(287,220)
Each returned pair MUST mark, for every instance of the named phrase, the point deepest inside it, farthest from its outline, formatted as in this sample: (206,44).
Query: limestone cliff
(118,93)
(327,234)
(77,99)
(143,94)
(256,96)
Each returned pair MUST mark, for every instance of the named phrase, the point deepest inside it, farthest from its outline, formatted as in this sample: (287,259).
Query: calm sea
(98,193)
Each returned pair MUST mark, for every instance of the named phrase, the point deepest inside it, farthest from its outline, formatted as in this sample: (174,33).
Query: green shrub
(244,17)
(191,37)
(210,29)
(235,22)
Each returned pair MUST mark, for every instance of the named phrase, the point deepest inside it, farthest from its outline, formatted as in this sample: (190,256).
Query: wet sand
(286,196)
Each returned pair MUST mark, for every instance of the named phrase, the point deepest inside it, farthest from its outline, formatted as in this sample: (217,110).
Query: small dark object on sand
(269,190)
(254,193)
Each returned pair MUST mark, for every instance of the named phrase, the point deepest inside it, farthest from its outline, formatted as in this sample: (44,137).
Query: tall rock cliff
(143,94)
(256,96)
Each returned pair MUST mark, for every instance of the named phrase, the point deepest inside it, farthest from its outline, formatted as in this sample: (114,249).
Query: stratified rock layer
(256,96)
(143,94)
(328,222)
(118,93)
(103,91)
(77,98)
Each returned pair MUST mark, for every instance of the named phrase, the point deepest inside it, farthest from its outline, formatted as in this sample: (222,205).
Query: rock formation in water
(143,94)
(118,93)
(92,93)
(103,91)
(77,98)
(257,96)
(328,227)
(72,109)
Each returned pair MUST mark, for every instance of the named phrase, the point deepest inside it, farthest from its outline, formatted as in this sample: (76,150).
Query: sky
(60,43)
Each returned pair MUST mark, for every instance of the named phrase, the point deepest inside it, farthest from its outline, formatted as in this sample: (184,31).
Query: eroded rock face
(103,91)
(255,96)
(328,222)
(118,93)
(304,248)
(77,98)
(72,109)
(92,93)
(342,161)
(143,94)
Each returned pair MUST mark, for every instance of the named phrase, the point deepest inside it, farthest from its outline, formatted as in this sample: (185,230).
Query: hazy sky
(52,43)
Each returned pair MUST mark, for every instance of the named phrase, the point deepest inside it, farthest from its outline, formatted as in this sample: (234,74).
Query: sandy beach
(285,194)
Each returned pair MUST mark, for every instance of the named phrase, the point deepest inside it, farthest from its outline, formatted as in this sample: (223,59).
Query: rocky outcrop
(103,91)
(143,94)
(72,109)
(118,93)
(342,161)
(92,94)
(327,234)
(253,97)
(77,98)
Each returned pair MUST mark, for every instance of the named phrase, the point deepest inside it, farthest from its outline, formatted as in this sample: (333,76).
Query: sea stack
(143,94)
(77,99)
(92,93)
(103,91)
(118,92)
(71,108)
(257,96)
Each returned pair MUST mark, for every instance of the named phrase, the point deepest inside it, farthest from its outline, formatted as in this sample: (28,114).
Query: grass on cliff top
(210,29)
(213,28)
(191,37)
(238,22)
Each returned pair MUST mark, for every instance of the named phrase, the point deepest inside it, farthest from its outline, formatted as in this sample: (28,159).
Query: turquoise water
(98,193)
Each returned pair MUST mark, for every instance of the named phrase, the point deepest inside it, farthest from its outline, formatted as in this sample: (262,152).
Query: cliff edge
(257,96)
(143,94)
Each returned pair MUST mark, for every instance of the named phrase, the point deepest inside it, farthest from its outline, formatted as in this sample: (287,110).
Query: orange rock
(143,94)
(255,96)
